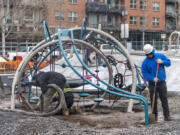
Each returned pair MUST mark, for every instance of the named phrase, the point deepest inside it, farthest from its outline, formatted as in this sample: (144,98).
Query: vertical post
(163,47)
(27,46)
(144,6)
(143,37)
(125,33)
(124,14)
(3,39)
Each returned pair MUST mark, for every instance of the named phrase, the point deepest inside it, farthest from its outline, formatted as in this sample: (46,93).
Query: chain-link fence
(132,45)
(138,45)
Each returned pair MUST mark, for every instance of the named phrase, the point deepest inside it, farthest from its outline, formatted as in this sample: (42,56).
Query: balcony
(107,26)
(103,8)
(171,1)
(96,8)
(116,9)
(111,27)
(171,13)
(34,4)
(27,3)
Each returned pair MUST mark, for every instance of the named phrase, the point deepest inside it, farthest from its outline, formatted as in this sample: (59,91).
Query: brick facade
(66,7)
(148,13)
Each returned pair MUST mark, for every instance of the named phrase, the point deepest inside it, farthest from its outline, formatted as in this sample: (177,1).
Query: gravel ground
(14,123)
(167,128)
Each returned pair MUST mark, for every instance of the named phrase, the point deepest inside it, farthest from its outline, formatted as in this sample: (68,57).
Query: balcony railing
(170,26)
(34,3)
(107,25)
(103,8)
(170,13)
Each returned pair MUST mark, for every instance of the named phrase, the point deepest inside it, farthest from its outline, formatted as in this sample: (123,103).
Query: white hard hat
(148,48)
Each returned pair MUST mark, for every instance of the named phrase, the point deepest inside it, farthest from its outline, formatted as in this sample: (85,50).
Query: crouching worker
(156,78)
(42,80)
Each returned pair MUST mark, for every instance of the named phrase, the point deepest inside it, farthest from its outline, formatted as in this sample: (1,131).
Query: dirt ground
(104,120)
(105,116)
(108,116)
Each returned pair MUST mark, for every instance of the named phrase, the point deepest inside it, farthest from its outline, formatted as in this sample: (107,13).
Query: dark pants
(161,89)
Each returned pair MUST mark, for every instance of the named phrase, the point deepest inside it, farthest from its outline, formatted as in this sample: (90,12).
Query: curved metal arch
(170,38)
(134,78)
(19,72)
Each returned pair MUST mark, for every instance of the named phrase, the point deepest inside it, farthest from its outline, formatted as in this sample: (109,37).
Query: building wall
(54,5)
(149,13)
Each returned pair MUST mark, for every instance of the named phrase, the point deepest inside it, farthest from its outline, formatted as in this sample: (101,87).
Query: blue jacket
(149,67)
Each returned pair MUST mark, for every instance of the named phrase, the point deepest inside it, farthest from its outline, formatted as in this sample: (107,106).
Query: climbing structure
(112,74)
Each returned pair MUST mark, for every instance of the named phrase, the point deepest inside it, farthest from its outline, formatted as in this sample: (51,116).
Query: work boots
(168,118)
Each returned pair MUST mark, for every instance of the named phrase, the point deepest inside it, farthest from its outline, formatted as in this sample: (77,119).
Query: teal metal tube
(107,84)
(82,28)
(29,90)
(46,30)
(105,90)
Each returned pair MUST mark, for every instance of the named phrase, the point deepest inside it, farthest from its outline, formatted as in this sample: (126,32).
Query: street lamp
(124,15)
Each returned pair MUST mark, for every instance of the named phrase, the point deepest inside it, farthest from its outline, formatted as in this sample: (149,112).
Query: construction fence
(11,65)
(16,46)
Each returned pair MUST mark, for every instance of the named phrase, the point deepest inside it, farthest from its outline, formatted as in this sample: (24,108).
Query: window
(133,4)
(92,20)
(143,5)
(73,1)
(155,6)
(73,16)
(143,21)
(60,1)
(28,15)
(59,16)
(109,20)
(133,20)
(155,21)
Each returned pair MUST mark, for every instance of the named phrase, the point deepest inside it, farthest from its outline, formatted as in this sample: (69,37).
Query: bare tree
(15,13)
(7,10)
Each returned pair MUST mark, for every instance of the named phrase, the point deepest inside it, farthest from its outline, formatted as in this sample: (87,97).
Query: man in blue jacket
(149,68)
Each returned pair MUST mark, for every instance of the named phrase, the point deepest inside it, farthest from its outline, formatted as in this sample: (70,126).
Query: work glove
(159,61)
(155,79)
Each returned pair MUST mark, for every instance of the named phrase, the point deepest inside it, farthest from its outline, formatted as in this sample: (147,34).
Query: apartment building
(65,13)
(106,12)
(21,21)
(146,19)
